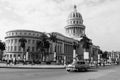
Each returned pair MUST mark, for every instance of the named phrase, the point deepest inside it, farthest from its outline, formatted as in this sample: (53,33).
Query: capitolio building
(64,44)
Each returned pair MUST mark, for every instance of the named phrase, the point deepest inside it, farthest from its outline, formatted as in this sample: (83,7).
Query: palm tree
(2,46)
(75,46)
(46,46)
(22,44)
(43,46)
(40,48)
(86,43)
(53,38)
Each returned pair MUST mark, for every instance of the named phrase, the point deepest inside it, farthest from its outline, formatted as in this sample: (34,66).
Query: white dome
(75,26)
(75,15)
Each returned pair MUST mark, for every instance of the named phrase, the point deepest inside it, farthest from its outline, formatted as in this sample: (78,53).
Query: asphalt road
(59,74)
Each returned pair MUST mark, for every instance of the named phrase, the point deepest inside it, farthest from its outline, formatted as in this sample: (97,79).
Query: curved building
(13,48)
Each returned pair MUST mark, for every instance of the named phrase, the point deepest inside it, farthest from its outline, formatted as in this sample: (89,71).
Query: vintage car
(78,66)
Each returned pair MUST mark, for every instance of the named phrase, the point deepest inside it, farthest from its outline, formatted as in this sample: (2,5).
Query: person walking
(8,61)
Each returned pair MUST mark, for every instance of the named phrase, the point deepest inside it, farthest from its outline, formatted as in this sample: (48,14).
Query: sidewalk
(29,66)
(45,66)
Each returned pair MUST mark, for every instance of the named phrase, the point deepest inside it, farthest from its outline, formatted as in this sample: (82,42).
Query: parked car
(78,66)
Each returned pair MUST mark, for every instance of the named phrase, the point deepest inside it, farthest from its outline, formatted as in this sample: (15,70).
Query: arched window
(76,15)
(73,22)
(77,22)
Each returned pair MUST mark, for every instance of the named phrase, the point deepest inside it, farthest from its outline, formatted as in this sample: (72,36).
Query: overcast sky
(101,18)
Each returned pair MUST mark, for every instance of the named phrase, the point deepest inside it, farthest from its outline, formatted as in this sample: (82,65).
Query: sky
(101,18)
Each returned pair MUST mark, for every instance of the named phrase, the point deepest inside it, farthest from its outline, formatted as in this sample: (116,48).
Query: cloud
(7,12)
(101,17)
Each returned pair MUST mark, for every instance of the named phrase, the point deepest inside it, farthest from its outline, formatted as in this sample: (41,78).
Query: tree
(86,42)
(43,46)
(2,46)
(22,44)
(53,38)
(40,48)
(105,55)
(75,46)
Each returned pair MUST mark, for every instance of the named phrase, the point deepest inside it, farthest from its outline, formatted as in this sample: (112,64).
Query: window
(73,22)
(77,22)
(14,55)
(15,40)
(16,33)
(11,41)
(33,41)
(12,33)
(37,34)
(10,55)
(28,48)
(18,55)
(76,15)
(11,48)
(70,22)
(29,33)
(20,33)
(28,41)
(33,49)
(19,48)
(15,48)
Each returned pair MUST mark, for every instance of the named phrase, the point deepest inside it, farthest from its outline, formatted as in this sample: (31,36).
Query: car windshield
(80,62)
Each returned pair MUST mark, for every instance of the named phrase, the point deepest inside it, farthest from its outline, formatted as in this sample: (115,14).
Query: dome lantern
(75,8)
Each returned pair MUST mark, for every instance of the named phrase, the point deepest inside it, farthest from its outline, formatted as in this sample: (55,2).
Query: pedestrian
(8,62)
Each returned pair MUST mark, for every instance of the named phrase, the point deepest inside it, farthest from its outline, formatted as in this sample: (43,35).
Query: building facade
(64,46)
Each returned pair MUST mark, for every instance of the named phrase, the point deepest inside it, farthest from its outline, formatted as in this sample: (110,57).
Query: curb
(27,67)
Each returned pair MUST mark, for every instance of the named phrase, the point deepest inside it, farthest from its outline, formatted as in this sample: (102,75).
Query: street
(59,74)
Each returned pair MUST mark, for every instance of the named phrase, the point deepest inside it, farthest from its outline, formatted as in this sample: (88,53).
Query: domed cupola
(75,27)
(75,15)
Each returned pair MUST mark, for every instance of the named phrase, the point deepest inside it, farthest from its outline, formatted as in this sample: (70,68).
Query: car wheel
(68,70)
